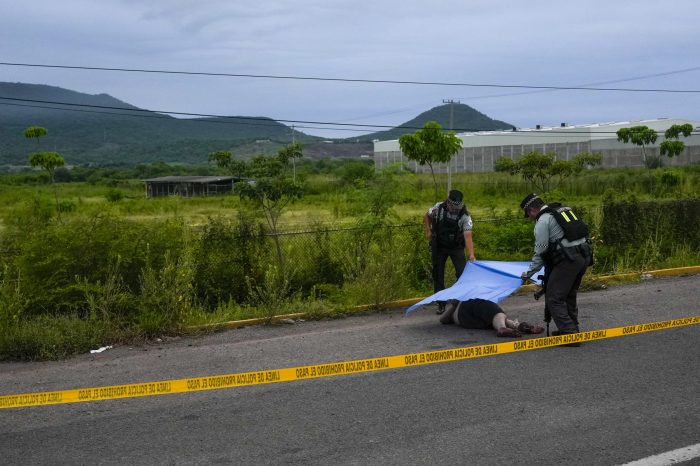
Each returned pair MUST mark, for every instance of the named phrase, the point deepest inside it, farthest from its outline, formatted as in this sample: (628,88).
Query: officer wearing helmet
(563,247)
(448,229)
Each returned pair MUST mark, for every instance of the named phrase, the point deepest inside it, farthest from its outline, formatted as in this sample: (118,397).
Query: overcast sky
(638,44)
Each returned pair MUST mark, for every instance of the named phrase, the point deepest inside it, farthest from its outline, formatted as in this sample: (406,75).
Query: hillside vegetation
(100,130)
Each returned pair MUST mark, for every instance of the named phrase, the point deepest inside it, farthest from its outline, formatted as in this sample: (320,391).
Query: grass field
(85,264)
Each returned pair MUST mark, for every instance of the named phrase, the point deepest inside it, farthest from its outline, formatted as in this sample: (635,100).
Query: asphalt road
(607,402)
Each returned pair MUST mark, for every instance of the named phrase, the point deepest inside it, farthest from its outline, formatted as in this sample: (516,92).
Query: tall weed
(48,337)
(382,279)
(109,301)
(273,295)
(167,294)
(52,258)
(12,300)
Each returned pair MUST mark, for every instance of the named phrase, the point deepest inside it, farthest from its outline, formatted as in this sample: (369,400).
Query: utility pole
(452,114)
(294,165)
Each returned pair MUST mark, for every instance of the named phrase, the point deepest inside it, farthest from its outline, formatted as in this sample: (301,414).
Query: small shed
(189,186)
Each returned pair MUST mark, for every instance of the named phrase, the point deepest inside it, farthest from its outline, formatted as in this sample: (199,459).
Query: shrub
(109,301)
(641,234)
(631,223)
(227,253)
(504,238)
(382,279)
(313,258)
(114,195)
(166,295)
(357,171)
(272,294)
(66,206)
(55,260)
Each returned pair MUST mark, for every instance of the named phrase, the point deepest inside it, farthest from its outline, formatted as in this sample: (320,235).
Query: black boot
(559,332)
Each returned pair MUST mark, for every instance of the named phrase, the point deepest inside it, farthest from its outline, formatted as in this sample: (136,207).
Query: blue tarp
(491,280)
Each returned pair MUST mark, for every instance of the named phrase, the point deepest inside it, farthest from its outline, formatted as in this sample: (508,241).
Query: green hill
(104,131)
(464,119)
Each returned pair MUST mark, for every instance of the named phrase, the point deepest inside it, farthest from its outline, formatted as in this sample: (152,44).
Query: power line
(587,85)
(202,115)
(371,81)
(633,78)
(263,121)
(166,117)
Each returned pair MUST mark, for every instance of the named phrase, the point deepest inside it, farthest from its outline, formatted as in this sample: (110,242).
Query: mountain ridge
(461,118)
(99,129)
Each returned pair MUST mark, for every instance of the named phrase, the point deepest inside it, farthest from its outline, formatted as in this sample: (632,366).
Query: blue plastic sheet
(491,280)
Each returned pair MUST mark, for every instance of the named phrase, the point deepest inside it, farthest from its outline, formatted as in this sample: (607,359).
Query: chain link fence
(379,261)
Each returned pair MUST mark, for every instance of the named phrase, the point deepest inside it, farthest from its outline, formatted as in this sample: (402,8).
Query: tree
(356,172)
(35,132)
(543,170)
(49,161)
(291,152)
(430,145)
(671,145)
(639,135)
(224,159)
(271,190)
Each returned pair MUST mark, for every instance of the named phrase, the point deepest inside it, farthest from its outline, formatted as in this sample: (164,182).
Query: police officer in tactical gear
(448,228)
(563,247)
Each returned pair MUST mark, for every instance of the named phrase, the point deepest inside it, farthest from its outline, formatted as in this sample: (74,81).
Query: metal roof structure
(191,179)
(190,186)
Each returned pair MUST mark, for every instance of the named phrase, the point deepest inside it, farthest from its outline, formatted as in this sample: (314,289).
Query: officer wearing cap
(565,262)
(448,228)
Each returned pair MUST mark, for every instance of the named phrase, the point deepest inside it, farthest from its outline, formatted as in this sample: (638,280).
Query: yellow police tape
(324,370)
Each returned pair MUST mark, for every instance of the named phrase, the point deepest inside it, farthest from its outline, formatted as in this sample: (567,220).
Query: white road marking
(670,457)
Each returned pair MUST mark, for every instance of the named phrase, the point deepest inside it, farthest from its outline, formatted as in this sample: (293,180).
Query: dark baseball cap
(527,201)
(456,196)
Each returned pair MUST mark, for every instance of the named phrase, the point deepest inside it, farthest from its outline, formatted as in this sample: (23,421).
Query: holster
(586,250)
(567,253)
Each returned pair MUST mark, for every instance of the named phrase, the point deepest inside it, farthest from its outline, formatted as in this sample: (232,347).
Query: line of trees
(431,145)
(643,136)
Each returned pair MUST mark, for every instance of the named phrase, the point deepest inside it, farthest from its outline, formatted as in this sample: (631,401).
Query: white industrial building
(480,150)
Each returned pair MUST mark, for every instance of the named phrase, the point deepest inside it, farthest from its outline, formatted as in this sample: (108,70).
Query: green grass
(50,337)
(328,200)
(117,266)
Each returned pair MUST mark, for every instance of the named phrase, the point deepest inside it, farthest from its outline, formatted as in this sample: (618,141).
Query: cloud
(511,42)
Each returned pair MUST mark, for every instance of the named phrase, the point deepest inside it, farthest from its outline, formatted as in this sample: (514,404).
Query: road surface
(608,402)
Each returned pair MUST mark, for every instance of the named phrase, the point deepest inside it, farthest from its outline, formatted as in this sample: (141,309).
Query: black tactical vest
(446,226)
(574,228)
